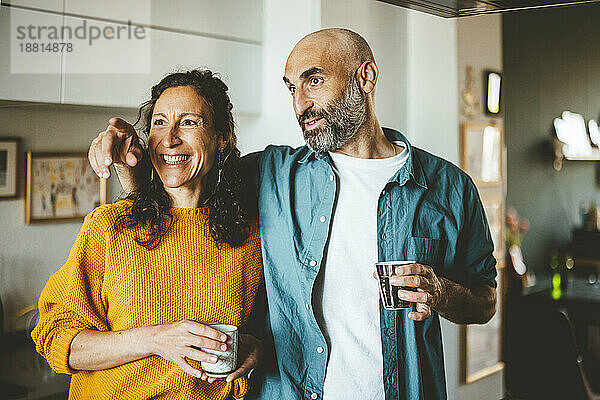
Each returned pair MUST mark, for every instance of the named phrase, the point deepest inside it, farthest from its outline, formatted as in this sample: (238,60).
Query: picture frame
(9,167)
(481,152)
(61,187)
(493,92)
(482,345)
(494,211)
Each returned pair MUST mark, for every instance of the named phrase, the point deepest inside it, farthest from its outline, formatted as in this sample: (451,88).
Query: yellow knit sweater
(111,283)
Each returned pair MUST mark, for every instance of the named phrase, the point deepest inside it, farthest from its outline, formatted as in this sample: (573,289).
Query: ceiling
(463,8)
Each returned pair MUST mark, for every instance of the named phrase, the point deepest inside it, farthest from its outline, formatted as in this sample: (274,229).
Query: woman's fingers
(185,367)
(198,355)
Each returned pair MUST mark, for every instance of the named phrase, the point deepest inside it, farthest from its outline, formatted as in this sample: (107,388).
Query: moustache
(312,113)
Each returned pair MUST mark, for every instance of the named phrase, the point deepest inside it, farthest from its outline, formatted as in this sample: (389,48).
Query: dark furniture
(546,343)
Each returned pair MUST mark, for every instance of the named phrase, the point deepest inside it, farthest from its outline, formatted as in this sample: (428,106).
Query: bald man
(354,195)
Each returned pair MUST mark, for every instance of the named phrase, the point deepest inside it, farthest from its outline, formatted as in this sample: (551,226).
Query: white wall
(30,253)
(285,22)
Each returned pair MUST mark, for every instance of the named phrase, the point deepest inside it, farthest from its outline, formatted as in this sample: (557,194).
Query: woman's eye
(292,90)
(158,122)
(315,81)
(190,122)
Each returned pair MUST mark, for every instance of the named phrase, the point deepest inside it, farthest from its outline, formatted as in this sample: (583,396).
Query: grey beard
(343,119)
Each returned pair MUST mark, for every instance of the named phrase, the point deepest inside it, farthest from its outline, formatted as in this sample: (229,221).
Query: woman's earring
(151,174)
(220,166)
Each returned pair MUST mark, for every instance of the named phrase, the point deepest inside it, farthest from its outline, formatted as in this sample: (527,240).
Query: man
(355,195)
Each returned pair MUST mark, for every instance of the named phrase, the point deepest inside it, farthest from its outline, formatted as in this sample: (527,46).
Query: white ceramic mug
(227,361)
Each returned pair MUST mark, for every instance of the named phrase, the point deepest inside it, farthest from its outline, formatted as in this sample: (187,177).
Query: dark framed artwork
(61,187)
(9,167)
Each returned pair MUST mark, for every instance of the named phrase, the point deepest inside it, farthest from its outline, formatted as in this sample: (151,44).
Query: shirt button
(383,235)
(314,396)
(307,306)
(322,219)
(320,349)
(331,178)
(313,263)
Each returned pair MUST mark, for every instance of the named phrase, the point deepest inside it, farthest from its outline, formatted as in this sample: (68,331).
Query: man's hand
(118,144)
(429,289)
(475,304)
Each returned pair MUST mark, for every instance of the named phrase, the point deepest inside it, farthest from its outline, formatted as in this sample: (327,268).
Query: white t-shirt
(346,295)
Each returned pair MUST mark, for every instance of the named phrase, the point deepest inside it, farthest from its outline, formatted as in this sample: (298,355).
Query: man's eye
(292,89)
(315,81)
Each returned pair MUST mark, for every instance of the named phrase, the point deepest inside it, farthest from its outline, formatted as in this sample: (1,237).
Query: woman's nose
(172,137)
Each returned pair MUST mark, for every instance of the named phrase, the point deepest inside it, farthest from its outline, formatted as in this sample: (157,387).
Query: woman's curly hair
(151,205)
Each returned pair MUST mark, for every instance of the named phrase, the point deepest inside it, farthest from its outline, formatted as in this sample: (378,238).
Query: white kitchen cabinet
(18,83)
(136,11)
(113,72)
(38,5)
(240,19)
(239,64)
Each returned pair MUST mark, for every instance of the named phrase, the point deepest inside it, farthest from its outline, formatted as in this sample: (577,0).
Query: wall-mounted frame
(61,187)
(481,354)
(9,167)
(493,92)
(481,152)
(494,211)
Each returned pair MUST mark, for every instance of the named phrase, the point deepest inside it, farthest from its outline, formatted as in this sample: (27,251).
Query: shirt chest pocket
(427,251)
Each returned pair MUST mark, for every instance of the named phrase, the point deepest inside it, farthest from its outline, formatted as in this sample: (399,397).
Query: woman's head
(188,121)
(192,144)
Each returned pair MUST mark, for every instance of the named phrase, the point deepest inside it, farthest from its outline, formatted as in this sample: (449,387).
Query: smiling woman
(153,281)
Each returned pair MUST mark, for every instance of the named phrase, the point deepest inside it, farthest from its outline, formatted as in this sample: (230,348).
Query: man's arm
(118,145)
(457,303)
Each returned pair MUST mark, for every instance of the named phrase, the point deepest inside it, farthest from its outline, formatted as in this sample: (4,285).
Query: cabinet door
(238,64)
(136,11)
(237,19)
(28,75)
(38,5)
(107,72)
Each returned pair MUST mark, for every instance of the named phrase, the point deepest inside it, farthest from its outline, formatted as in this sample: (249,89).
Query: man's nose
(172,137)
(301,102)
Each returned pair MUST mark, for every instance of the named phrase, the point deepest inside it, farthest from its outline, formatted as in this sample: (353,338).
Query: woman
(127,314)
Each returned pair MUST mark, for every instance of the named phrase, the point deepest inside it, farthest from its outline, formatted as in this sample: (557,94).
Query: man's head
(331,75)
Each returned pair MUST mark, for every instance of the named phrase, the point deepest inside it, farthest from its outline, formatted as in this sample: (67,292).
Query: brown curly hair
(151,205)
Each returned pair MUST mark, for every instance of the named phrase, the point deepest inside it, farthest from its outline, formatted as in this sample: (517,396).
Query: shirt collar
(412,168)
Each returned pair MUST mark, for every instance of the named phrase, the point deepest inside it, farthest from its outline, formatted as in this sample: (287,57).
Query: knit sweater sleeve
(72,301)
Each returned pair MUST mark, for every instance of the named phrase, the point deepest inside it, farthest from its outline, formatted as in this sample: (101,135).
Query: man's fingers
(421,313)
(413,297)
(133,151)
(413,281)
(412,269)
(92,157)
(122,125)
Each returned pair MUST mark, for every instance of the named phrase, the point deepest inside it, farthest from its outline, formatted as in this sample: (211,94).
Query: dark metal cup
(389,293)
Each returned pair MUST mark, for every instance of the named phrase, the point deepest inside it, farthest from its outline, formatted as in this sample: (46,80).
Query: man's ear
(367,75)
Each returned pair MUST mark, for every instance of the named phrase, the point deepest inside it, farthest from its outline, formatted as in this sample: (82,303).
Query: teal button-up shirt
(429,211)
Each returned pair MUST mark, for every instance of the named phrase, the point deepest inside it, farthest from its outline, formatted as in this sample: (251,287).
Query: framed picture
(493,92)
(61,187)
(482,344)
(9,166)
(494,211)
(481,153)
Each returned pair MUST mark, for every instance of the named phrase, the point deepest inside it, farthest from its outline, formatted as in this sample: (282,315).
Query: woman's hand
(250,349)
(176,341)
